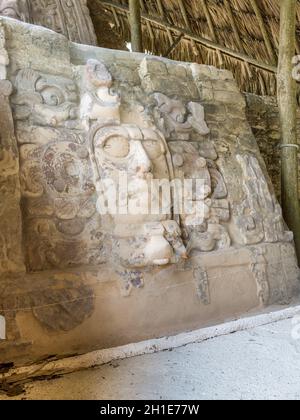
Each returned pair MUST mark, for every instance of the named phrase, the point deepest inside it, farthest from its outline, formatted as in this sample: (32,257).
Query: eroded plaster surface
(72,279)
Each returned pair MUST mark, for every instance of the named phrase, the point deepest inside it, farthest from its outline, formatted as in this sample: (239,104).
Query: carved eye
(52,96)
(9,12)
(153,148)
(117,147)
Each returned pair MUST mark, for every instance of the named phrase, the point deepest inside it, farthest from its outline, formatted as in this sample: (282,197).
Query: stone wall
(74,279)
(263,116)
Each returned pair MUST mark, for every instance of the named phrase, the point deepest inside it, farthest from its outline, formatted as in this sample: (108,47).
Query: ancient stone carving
(10,8)
(44,100)
(70,18)
(202,285)
(62,227)
(139,239)
(72,307)
(73,136)
(204,233)
(177,121)
(260,216)
(4,59)
(259,269)
(129,280)
(98,102)
(57,183)
(62,169)
(11,259)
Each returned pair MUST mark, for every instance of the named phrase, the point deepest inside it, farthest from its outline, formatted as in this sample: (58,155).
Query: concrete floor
(262,363)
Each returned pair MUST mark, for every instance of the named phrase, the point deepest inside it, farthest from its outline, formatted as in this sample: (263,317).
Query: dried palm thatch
(249,29)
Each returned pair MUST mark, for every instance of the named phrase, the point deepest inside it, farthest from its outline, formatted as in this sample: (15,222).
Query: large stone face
(70,18)
(80,120)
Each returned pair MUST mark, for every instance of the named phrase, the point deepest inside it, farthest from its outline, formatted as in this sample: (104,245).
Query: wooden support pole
(287,108)
(136,26)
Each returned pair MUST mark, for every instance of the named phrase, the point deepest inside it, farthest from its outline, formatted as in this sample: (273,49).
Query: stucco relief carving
(68,133)
(72,140)
(202,285)
(259,216)
(44,100)
(98,101)
(4,59)
(70,18)
(140,154)
(177,121)
(207,233)
(143,155)
(259,268)
(62,227)
(10,8)
(11,259)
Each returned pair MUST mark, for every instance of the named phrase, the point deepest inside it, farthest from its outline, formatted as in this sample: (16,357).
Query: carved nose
(142,170)
(143,164)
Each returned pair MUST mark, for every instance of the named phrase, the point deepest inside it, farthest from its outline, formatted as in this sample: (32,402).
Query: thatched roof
(248,29)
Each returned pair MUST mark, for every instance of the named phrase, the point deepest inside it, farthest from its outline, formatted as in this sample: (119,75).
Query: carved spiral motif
(66,169)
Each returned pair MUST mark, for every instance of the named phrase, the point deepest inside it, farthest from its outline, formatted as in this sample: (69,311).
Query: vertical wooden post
(287,108)
(136,26)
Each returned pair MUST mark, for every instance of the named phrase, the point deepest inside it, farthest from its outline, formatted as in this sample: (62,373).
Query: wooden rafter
(149,28)
(174,45)
(187,23)
(198,39)
(162,15)
(264,31)
(236,31)
(234,26)
(211,27)
(115,17)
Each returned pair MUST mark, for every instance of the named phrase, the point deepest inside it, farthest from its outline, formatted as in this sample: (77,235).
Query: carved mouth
(161,262)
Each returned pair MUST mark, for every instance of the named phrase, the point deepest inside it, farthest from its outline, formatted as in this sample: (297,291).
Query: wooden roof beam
(211,27)
(236,32)
(187,24)
(162,15)
(264,31)
(234,26)
(203,41)
(149,28)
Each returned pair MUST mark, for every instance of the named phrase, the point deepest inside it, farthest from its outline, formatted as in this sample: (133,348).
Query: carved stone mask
(141,155)
(46,101)
(97,74)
